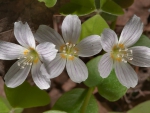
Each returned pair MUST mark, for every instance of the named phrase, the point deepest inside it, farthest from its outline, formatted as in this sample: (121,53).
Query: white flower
(68,49)
(120,52)
(29,56)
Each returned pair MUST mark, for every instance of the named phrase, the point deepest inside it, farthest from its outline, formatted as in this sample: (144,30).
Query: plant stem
(86,100)
(113,24)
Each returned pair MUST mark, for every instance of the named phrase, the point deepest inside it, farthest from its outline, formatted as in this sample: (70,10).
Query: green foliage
(141,108)
(94,25)
(110,88)
(49,3)
(94,78)
(54,111)
(124,3)
(108,17)
(5,107)
(25,96)
(78,7)
(71,102)
(143,41)
(111,7)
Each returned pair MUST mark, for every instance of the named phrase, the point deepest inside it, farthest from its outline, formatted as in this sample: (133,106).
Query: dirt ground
(36,13)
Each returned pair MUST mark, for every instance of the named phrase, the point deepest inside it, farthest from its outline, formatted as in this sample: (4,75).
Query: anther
(18,64)
(124,60)
(22,67)
(64,51)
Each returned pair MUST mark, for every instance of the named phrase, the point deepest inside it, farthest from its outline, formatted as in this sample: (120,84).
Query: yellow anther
(25,52)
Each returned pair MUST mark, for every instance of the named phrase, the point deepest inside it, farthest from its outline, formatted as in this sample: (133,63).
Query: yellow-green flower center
(120,53)
(29,56)
(68,51)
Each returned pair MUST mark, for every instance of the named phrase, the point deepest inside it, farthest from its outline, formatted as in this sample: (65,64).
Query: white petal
(24,35)
(77,70)
(89,46)
(125,74)
(47,51)
(131,32)
(108,39)
(56,66)
(105,65)
(15,75)
(141,56)
(38,77)
(10,51)
(47,34)
(71,28)
(44,71)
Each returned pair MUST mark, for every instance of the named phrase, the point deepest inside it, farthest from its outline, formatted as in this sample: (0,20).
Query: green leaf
(143,41)
(25,96)
(108,17)
(17,110)
(111,7)
(141,108)
(110,88)
(4,105)
(54,111)
(49,3)
(124,3)
(78,7)
(94,25)
(94,78)
(71,102)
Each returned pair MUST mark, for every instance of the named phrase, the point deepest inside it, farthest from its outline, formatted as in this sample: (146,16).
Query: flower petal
(56,66)
(89,46)
(24,35)
(77,70)
(15,75)
(71,28)
(38,77)
(141,56)
(46,51)
(10,51)
(108,39)
(126,74)
(131,32)
(105,65)
(47,34)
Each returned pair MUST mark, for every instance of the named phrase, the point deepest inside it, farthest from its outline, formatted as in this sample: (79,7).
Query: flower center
(120,53)
(68,51)
(29,56)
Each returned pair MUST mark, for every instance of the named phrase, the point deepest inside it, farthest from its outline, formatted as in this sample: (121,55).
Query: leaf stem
(86,100)
(113,24)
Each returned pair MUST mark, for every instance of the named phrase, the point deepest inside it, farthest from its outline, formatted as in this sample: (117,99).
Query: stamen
(68,50)
(121,53)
